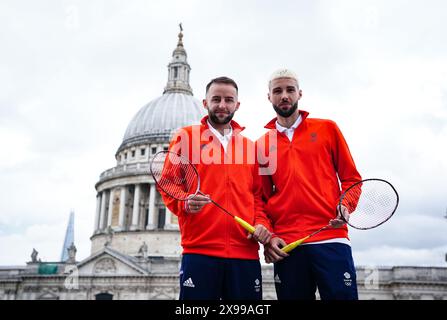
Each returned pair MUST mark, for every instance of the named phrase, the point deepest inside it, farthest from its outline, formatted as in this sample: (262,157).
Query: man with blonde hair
(301,195)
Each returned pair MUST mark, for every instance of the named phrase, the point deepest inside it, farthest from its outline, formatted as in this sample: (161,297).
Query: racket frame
(298,242)
(247,226)
(340,203)
(181,158)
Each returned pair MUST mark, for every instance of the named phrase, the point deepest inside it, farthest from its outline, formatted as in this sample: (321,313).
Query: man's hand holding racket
(261,234)
(342,217)
(196,202)
(273,251)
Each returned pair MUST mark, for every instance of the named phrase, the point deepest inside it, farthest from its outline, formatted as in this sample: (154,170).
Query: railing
(126,168)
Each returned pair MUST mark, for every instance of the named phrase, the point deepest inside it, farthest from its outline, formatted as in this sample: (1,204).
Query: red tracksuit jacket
(232,181)
(303,193)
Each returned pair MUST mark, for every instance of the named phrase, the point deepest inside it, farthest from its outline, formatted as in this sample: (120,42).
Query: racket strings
(174,175)
(370,204)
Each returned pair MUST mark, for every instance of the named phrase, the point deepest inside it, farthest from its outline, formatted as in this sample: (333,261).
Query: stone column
(103,211)
(168,221)
(151,216)
(122,207)
(110,212)
(136,208)
(97,213)
(168,215)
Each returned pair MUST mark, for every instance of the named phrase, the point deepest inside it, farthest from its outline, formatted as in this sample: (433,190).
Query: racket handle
(294,244)
(245,224)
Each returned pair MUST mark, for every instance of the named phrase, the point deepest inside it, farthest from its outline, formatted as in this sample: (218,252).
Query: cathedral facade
(135,246)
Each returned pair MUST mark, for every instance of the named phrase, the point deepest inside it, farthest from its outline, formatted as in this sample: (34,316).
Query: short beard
(216,120)
(286,113)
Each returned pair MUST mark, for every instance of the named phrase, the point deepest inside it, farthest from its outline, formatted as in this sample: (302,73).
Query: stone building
(129,209)
(135,246)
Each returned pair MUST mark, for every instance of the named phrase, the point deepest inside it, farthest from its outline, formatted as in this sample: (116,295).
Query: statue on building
(72,253)
(34,256)
(109,232)
(142,252)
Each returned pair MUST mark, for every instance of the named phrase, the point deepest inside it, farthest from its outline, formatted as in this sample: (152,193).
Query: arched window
(104,296)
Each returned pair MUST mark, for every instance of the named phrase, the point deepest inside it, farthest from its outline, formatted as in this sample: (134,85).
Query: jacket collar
(272,123)
(236,127)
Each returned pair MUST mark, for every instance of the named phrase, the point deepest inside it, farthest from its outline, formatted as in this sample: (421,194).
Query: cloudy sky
(73,73)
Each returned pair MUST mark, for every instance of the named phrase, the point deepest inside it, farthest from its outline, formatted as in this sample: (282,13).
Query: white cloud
(398,256)
(15,147)
(412,231)
(47,239)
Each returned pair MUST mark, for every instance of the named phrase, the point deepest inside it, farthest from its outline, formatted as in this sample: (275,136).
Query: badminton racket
(365,205)
(176,176)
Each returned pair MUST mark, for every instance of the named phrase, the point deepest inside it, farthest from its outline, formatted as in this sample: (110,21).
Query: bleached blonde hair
(283,73)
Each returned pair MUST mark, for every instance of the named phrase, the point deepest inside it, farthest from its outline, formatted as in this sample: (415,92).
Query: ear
(300,94)
(268,97)
(237,106)
(205,104)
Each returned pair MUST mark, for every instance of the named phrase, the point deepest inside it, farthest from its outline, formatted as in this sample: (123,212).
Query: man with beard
(313,167)
(220,260)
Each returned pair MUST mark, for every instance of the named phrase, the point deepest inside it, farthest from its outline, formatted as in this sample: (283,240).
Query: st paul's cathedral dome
(130,213)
